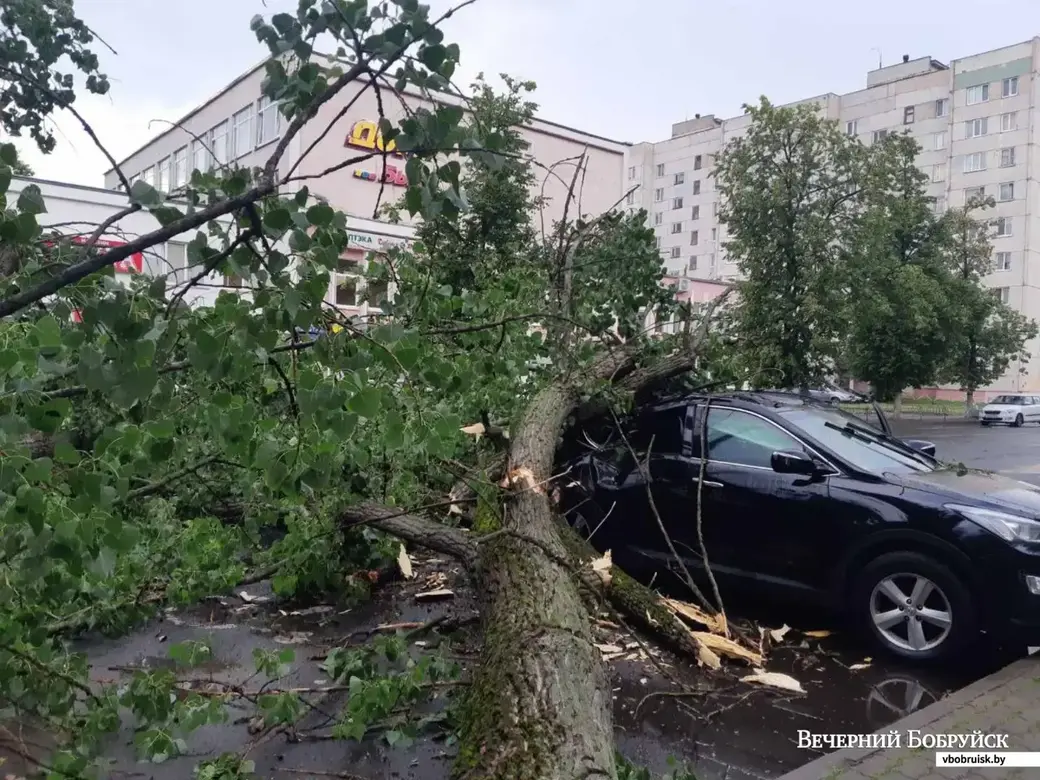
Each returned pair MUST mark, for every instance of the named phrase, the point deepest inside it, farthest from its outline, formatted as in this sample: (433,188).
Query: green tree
(149,447)
(788,198)
(989,335)
(900,316)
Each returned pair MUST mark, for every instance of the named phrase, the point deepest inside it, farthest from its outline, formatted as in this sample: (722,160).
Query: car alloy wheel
(911,613)
(1019,421)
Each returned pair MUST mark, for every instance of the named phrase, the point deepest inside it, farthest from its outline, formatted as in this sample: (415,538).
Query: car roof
(774,399)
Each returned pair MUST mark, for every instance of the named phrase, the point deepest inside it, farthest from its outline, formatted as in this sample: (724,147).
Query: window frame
(983,93)
(801,440)
(1005,84)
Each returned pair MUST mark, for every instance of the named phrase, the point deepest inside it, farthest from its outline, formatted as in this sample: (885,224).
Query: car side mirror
(927,447)
(793,462)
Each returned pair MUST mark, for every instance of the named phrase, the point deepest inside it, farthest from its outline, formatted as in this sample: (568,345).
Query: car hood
(978,486)
(1001,408)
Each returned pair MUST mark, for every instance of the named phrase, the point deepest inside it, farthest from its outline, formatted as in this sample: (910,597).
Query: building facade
(976,122)
(238,126)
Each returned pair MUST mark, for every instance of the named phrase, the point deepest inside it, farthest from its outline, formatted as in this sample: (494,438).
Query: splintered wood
(711,644)
(601,566)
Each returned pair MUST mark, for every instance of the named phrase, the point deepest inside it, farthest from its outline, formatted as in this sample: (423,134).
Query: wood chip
(775,680)
(404,563)
(708,657)
(858,667)
(476,430)
(776,634)
(714,623)
(817,634)
(727,647)
(602,565)
(435,595)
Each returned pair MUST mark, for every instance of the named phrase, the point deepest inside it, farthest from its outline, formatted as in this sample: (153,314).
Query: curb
(846,758)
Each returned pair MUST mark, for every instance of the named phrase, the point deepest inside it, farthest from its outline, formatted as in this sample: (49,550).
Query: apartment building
(238,126)
(975,120)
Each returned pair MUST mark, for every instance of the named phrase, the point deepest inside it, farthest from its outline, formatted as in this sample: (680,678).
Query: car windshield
(1009,400)
(862,446)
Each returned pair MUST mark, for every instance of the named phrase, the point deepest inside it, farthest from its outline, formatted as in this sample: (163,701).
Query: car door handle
(708,483)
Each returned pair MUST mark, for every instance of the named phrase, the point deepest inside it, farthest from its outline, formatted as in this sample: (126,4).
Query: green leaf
(144,194)
(30,200)
(8,154)
(321,214)
(48,332)
(278,219)
(66,453)
(367,403)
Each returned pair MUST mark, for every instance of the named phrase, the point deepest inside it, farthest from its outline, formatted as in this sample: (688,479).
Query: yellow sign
(365,135)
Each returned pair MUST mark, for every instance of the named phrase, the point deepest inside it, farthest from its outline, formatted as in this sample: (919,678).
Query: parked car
(1011,409)
(804,500)
(829,394)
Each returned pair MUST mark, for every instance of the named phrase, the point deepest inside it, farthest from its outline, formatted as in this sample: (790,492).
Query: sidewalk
(1007,702)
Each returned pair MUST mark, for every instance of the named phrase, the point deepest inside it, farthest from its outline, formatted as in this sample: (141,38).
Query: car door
(761,526)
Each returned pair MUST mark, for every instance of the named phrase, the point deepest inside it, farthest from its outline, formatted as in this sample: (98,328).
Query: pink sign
(394,176)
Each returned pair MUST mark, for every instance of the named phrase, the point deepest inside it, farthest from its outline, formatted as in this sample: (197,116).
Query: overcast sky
(612,67)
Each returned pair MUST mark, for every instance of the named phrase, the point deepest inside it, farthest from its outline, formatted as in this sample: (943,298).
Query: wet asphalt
(729,731)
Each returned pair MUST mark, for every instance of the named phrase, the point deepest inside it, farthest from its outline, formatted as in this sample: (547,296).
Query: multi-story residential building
(978,129)
(238,126)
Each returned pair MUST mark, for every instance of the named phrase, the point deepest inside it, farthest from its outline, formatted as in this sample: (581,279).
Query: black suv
(803,499)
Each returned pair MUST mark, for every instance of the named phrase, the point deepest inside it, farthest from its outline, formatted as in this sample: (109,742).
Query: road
(1014,452)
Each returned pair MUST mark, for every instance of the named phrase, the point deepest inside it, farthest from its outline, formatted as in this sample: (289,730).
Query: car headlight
(1010,528)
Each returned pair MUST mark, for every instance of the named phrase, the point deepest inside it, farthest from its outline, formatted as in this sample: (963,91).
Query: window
(659,432)
(658,194)
(1009,87)
(697,162)
(714,234)
(1009,122)
(712,268)
(1002,294)
(676,252)
(268,121)
(680,177)
(658,218)
(1007,157)
(219,143)
(696,213)
(1007,191)
(1003,261)
(908,115)
(974,193)
(200,155)
(180,167)
(851,128)
(1003,225)
(697,187)
(346,291)
(243,126)
(693,263)
(974,162)
(979,94)
(657,241)
(715,209)
(974,128)
(940,140)
(694,238)
(631,173)
(164,176)
(878,135)
(676,203)
(939,172)
(149,176)
(744,439)
(940,205)
(660,169)
(630,198)
(942,107)
(677,227)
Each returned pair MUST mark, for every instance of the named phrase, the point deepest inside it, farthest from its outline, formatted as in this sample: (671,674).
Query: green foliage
(787,197)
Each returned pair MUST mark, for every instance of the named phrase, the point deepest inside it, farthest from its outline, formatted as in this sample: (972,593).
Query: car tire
(1018,421)
(870,602)
(984,423)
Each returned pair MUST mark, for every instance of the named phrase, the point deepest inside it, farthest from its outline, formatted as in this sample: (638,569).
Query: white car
(1013,410)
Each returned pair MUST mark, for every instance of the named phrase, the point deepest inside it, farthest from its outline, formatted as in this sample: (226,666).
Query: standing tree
(788,191)
(900,316)
(989,335)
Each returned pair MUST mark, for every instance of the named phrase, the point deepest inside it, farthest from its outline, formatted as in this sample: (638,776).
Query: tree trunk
(897,405)
(969,399)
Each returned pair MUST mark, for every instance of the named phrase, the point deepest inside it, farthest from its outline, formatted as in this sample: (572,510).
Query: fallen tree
(222,422)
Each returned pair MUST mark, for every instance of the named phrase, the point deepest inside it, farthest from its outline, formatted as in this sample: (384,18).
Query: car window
(1009,400)
(735,436)
(659,432)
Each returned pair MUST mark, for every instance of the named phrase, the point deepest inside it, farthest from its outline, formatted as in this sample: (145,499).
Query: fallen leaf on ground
(823,634)
(715,623)
(433,595)
(294,638)
(778,633)
(602,567)
(858,667)
(405,563)
(775,680)
(476,430)
(727,647)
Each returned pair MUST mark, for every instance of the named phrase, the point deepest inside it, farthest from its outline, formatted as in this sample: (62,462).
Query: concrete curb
(840,760)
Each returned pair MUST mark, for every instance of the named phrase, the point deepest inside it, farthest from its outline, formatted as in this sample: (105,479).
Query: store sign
(373,243)
(134,264)
(365,135)
(394,176)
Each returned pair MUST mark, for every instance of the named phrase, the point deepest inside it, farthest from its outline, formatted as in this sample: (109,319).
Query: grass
(917,406)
